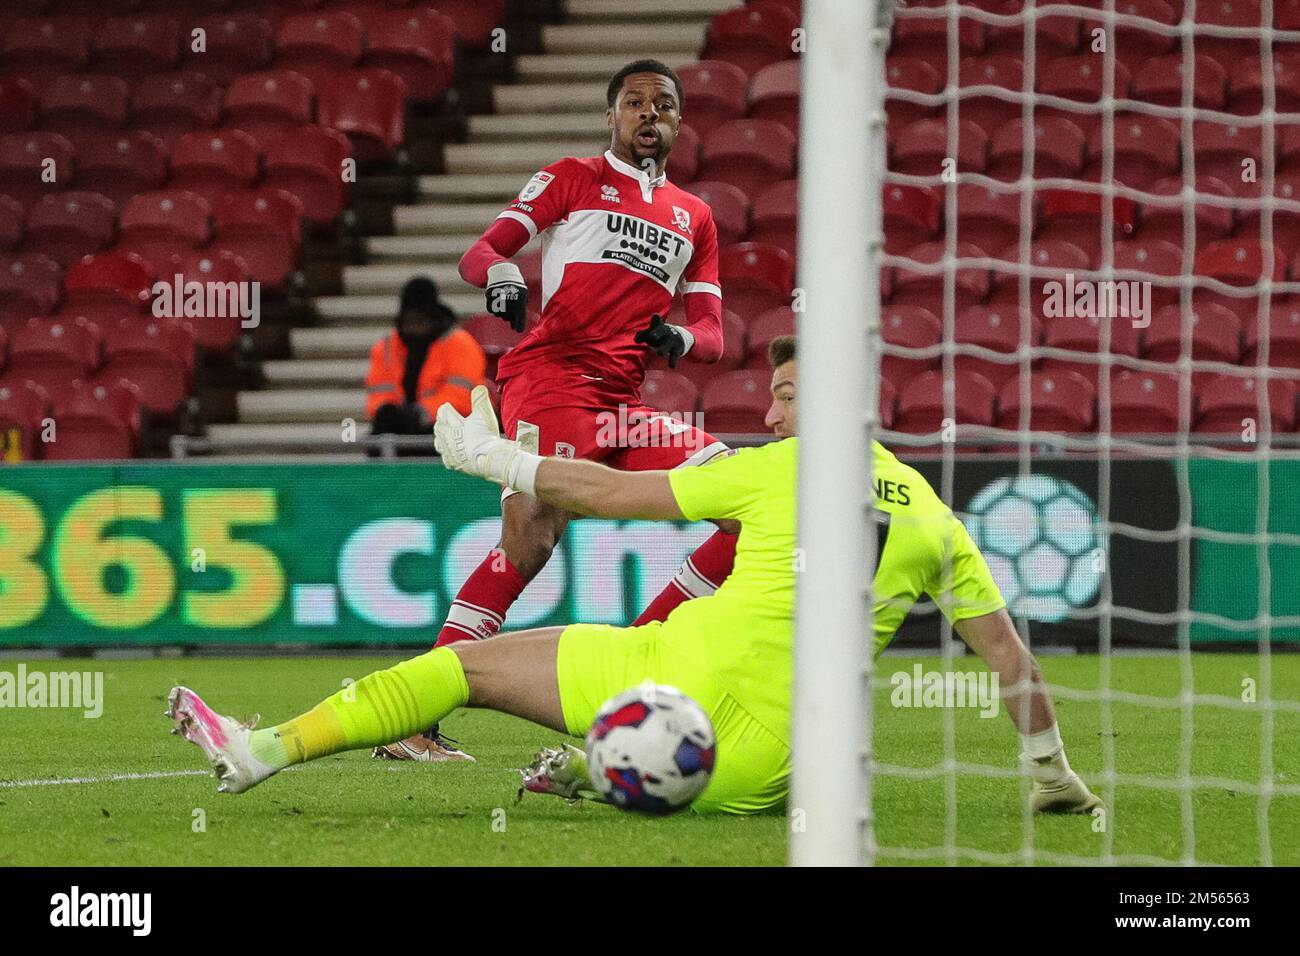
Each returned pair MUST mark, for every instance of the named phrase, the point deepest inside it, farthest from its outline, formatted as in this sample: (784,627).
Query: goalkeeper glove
(670,341)
(507,294)
(474,445)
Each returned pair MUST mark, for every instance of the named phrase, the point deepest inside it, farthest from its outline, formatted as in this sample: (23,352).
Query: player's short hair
(642,66)
(780,350)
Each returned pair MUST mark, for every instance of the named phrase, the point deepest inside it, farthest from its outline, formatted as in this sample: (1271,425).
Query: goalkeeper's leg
(1057,788)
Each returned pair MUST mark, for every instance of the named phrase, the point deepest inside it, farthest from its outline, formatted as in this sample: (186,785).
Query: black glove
(507,295)
(668,340)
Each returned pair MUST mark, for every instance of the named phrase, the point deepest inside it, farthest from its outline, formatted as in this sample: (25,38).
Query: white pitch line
(112,778)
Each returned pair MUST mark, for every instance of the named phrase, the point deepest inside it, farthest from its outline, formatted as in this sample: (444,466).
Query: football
(651,749)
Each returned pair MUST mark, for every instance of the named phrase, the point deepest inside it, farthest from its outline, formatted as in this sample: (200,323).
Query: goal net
(1087,338)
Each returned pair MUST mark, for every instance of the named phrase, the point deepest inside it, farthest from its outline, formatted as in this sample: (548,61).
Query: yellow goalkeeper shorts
(594,662)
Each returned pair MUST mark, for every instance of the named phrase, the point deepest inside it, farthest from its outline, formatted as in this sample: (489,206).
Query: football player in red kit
(618,242)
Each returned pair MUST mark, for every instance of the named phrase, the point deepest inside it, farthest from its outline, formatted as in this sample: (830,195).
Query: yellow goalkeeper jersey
(743,633)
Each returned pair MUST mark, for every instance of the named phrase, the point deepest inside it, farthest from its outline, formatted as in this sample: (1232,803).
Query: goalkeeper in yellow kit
(731,652)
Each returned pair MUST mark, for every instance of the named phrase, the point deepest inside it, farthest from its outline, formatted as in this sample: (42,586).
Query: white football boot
(223,740)
(560,772)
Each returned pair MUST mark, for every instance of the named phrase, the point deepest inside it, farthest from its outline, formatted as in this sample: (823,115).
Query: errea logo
(610,194)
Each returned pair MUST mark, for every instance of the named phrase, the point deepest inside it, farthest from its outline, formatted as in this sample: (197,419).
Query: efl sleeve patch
(536,186)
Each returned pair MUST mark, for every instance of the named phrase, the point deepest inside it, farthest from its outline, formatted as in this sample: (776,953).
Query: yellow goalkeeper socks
(385,706)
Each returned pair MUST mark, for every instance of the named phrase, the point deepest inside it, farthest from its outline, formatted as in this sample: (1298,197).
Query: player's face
(645,119)
(781,416)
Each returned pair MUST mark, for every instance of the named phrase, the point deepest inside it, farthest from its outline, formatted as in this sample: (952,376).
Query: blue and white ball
(651,749)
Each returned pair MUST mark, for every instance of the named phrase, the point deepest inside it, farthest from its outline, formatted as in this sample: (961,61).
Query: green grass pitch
(352,810)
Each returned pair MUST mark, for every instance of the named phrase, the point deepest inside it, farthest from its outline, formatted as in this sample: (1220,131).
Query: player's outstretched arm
(473,444)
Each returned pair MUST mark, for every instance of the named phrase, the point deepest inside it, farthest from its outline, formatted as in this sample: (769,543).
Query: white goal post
(841,165)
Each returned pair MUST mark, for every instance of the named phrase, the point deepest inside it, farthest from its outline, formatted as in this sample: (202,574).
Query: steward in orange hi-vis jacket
(425,361)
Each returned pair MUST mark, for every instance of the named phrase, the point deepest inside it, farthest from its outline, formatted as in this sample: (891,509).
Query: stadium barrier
(189,554)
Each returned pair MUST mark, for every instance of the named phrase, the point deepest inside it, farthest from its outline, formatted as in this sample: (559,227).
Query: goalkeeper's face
(645,120)
(781,416)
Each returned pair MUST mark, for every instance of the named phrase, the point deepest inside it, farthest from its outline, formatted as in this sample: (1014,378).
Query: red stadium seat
(120,165)
(909,326)
(669,392)
(307,163)
(263,228)
(1134,45)
(1083,334)
(1059,402)
(911,75)
(751,36)
(1003,71)
(1286,222)
(1147,148)
(999,329)
(1223,150)
(911,216)
(925,288)
(737,402)
(419,46)
(159,224)
(775,215)
(40,48)
(474,19)
(319,44)
(922,407)
(29,285)
(714,92)
(1078,78)
(1227,402)
(265,105)
(495,337)
(755,278)
(11,223)
(1228,51)
(90,425)
(108,286)
(1246,85)
(926,37)
(1155,258)
(750,154)
(1160,81)
(1236,262)
(367,106)
(1283,337)
(53,352)
(169,105)
(215,163)
(1057,257)
(135,47)
(762,330)
(33,165)
(987,218)
(1054,37)
(921,149)
(68,226)
(730,209)
(1059,149)
(17,104)
(79,104)
(1076,216)
(684,161)
(217,332)
(1215,334)
(774,94)
(1164,220)
(157,356)
(23,406)
(1144,402)
(236,43)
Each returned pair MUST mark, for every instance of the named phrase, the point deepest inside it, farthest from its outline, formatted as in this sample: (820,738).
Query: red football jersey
(616,246)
